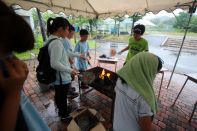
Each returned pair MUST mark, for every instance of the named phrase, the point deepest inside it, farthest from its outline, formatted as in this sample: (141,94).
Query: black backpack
(44,72)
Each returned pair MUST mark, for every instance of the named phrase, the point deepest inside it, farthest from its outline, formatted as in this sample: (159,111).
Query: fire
(103,74)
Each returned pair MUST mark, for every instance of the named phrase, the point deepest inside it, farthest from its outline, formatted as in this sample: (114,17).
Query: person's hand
(89,57)
(74,72)
(82,57)
(119,53)
(17,72)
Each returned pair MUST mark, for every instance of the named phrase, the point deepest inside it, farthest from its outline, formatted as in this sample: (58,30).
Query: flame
(103,74)
(108,75)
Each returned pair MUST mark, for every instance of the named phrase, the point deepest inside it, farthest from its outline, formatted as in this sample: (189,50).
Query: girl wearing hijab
(135,103)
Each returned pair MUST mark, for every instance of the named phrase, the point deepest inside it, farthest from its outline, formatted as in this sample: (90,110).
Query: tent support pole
(95,50)
(41,25)
(191,11)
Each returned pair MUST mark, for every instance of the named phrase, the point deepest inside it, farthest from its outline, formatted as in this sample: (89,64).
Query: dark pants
(61,99)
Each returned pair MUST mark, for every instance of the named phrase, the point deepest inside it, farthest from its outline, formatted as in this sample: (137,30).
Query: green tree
(46,15)
(119,19)
(181,20)
(135,17)
(35,18)
(79,21)
(92,23)
(193,24)
(164,23)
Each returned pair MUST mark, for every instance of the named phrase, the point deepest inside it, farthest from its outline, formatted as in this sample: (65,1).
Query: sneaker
(66,119)
(72,95)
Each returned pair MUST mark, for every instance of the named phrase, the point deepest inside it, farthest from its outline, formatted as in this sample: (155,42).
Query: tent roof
(100,8)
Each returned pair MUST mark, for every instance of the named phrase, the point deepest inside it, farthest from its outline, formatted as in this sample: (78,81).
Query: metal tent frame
(192,10)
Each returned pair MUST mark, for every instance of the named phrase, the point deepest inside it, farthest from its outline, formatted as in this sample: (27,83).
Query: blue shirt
(82,48)
(31,116)
(67,45)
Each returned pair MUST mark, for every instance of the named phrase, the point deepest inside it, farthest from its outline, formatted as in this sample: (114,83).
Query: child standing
(83,48)
(68,47)
(58,28)
(137,43)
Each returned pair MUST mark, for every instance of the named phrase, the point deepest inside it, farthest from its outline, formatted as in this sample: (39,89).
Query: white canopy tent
(109,8)
(100,8)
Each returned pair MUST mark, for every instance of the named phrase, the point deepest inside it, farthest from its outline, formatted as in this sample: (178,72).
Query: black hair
(139,29)
(53,24)
(83,32)
(71,28)
(160,64)
(15,33)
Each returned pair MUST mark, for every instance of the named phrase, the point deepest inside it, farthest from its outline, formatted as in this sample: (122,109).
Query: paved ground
(169,118)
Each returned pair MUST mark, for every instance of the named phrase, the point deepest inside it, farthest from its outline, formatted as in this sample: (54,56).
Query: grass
(121,38)
(90,42)
(125,38)
(28,54)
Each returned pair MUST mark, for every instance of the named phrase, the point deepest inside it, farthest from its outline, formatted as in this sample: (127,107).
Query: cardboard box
(86,119)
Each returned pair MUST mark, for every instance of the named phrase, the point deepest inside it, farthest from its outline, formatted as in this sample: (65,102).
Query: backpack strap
(47,44)
(59,72)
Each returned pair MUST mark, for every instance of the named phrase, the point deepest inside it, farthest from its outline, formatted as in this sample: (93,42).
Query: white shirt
(59,59)
(129,107)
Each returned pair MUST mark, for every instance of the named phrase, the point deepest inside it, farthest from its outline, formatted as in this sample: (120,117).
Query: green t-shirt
(136,47)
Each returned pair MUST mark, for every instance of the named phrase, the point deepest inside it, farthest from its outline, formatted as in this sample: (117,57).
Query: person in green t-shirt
(136,42)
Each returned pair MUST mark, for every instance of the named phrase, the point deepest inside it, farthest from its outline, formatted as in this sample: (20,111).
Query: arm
(11,88)
(145,115)
(145,123)
(125,49)
(147,48)
(56,52)
(77,48)
(73,54)
(9,111)
(88,53)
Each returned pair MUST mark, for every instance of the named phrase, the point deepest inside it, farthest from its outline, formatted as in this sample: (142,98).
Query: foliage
(91,43)
(46,15)
(35,18)
(27,55)
(193,24)
(79,21)
(135,17)
(39,41)
(164,23)
(119,19)
(182,20)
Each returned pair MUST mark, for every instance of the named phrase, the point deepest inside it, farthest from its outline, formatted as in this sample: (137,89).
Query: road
(187,62)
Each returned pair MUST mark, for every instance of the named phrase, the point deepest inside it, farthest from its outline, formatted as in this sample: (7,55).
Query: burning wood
(103,75)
